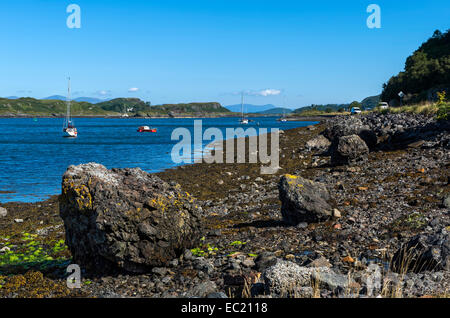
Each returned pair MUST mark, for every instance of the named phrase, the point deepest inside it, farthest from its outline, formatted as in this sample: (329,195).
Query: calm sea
(34,155)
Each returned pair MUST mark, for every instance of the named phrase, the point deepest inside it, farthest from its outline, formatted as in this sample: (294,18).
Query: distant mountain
(276,111)
(54,97)
(12,97)
(91,100)
(249,108)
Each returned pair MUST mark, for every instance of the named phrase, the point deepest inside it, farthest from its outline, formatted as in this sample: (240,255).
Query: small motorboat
(146,129)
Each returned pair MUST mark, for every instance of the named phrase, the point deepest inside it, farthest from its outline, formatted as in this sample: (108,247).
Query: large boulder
(349,150)
(303,200)
(344,126)
(424,252)
(125,219)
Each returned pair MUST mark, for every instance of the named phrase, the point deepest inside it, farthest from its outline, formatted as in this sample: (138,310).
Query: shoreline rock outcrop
(125,219)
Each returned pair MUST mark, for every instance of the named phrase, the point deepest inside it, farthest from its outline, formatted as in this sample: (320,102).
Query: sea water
(34,155)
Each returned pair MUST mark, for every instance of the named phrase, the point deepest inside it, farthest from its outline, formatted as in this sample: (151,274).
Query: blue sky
(183,51)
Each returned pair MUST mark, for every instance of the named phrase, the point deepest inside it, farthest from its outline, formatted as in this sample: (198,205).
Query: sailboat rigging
(69,129)
(243,120)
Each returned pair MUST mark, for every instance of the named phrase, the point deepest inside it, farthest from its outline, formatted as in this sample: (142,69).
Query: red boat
(146,129)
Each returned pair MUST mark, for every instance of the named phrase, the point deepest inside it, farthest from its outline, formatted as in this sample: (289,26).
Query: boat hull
(70,133)
(142,129)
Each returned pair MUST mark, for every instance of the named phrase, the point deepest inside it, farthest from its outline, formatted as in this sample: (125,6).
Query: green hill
(427,71)
(276,111)
(329,108)
(122,105)
(31,106)
(115,107)
(196,108)
(370,102)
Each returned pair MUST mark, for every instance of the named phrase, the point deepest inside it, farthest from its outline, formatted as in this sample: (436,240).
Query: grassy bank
(441,110)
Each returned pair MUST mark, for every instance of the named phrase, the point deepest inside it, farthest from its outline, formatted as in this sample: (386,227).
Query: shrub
(443,112)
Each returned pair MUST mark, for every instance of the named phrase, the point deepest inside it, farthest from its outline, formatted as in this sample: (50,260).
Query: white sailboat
(243,120)
(69,129)
(283,119)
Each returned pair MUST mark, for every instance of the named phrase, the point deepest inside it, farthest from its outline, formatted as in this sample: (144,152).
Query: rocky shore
(360,208)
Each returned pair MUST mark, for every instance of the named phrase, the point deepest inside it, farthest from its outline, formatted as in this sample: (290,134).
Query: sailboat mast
(242,104)
(68,103)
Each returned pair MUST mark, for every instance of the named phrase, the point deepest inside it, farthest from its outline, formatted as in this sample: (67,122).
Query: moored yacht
(69,129)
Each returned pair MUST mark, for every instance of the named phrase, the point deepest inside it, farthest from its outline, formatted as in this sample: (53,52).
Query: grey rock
(125,219)
(424,252)
(203,289)
(349,150)
(3,212)
(288,279)
(200,263)
(302,225)
(161,271)
(446,202)
(344,126)
(303,200)
(319,143)
(330,280)
(248,262)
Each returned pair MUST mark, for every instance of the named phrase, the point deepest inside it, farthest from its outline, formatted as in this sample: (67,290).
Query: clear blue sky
(191,50)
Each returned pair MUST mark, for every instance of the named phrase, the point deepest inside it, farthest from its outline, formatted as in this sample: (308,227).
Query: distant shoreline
(298,118)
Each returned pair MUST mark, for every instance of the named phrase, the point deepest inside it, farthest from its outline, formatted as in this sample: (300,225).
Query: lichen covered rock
(125,219)
(303,200)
